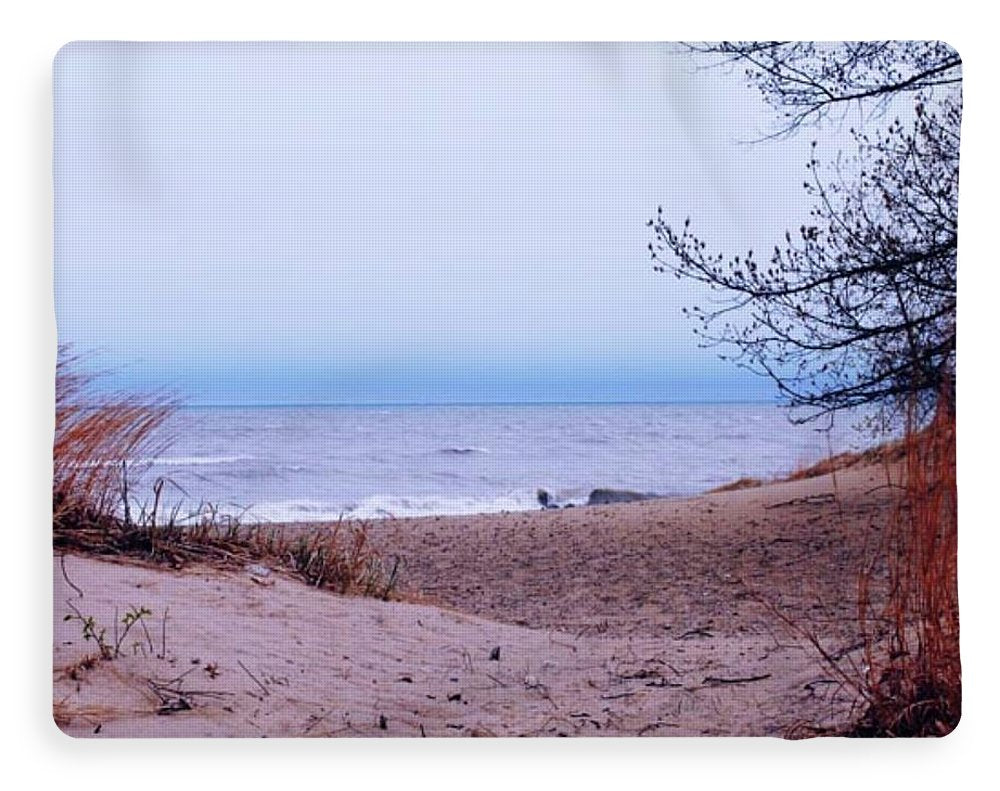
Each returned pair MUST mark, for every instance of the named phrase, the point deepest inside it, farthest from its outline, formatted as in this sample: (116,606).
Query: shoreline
(888,452)
(310,466)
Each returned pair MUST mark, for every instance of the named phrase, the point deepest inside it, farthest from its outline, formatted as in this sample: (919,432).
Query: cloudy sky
(289,223)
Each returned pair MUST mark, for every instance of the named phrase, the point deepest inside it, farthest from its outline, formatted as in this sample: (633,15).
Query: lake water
(318,463)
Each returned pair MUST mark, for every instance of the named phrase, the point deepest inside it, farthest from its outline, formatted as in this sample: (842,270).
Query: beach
(668,616)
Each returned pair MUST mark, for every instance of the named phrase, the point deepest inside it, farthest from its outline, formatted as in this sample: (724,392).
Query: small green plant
(92,630)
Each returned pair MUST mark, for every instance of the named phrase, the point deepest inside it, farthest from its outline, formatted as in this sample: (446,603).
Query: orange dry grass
(881,454)
(913,675)
(93,439)
(911,681)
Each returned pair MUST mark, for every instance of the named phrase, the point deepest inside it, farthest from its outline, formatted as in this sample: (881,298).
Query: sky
(436,223)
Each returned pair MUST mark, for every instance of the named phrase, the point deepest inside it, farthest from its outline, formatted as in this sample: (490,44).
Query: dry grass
(912,680)
(95,435)
(905,673)
(737,485)
(885,453)
(98,437)
(909,680)
(336,556)
(64,714)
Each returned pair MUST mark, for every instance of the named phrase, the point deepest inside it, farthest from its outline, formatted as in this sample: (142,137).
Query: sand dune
(647,618)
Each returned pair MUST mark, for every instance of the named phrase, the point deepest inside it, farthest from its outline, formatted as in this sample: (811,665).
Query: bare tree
(857,307)
(808,82)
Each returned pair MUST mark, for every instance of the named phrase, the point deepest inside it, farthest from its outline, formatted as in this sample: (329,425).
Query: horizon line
(657,402)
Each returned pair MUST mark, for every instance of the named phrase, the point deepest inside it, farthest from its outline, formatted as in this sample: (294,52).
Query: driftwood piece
(715,681)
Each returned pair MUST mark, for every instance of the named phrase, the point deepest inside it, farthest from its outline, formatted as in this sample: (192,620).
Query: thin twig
(62,564)
(149,639)
(813,499)
(76,612)
(163,635)
(615,695)
(654,725)
(716,680)
(256,680)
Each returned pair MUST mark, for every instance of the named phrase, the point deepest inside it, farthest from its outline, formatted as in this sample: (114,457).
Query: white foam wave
(392,507)
(168,461)
(192,461)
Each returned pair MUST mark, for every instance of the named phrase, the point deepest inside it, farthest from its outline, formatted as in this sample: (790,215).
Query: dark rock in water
(545,500)
(609,496)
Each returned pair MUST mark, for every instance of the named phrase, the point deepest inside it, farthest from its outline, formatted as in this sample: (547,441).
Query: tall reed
(912,674)
(97,436)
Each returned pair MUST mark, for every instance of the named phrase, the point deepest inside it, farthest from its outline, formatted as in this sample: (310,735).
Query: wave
(461,451)
(191,461)
(381,507)
(385,506)
(167,461)
(391,507)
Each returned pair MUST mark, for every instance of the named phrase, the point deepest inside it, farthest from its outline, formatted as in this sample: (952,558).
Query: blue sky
(260,223)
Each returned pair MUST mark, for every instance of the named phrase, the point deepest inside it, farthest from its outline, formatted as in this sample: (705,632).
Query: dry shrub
(336,556)
(912,679)
(886,453)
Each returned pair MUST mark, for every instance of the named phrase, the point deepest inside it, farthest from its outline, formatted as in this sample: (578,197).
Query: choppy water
(316,463)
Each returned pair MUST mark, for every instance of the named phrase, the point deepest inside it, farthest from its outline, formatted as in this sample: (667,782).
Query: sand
(651,618)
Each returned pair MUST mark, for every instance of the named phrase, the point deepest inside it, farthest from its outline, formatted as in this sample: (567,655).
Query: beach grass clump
(912,679)
(97,435)
(338,556)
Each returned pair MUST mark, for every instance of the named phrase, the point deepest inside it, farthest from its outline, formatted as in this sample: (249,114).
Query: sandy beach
(649,618)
